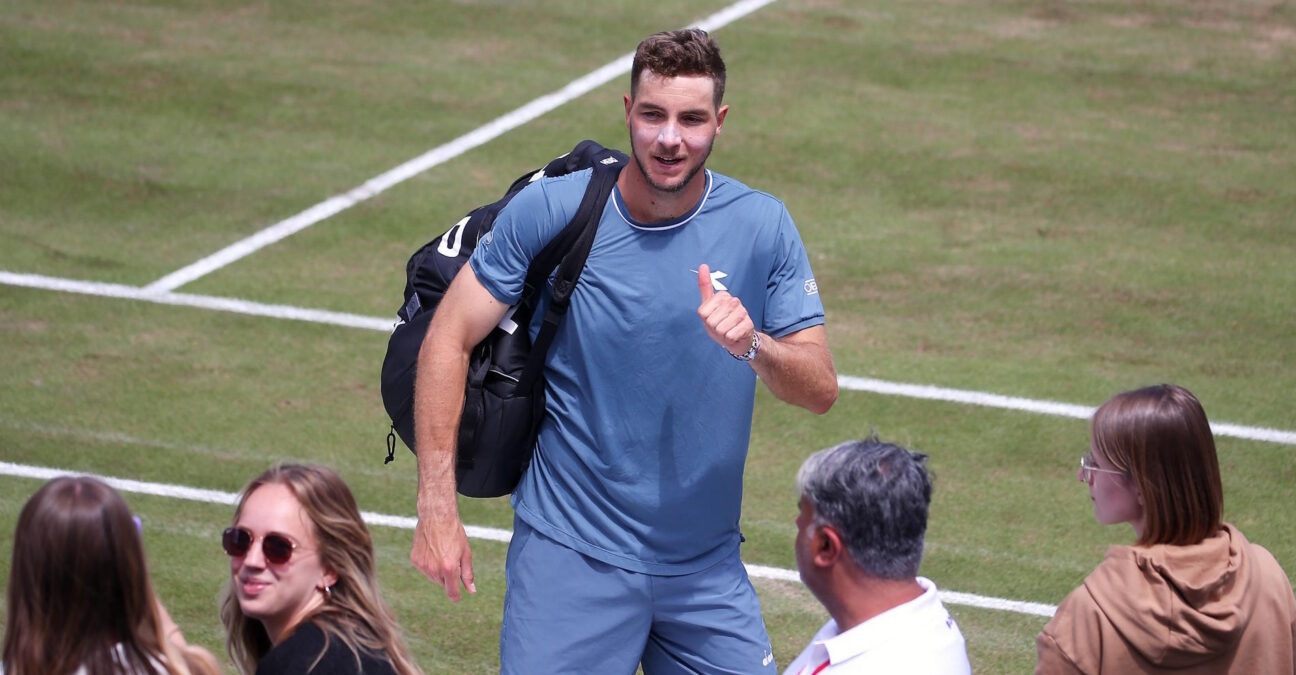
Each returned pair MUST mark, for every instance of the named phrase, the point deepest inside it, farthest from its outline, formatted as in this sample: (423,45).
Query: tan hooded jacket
(1221,606)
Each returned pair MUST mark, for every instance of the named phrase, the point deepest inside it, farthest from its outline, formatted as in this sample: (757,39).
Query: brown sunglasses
(276,548)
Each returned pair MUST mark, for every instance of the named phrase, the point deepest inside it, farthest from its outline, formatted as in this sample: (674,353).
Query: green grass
(1048,200)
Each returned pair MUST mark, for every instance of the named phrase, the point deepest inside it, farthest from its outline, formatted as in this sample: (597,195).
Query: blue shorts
(567,613)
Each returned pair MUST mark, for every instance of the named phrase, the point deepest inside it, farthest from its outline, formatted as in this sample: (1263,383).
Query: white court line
(488,533)
(377,185)
(200,301)
(924,391)
(851,383)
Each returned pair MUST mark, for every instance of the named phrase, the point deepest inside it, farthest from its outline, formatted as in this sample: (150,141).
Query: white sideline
(487,533)
(379,184)
(924,391)
(234,305)
(848,382)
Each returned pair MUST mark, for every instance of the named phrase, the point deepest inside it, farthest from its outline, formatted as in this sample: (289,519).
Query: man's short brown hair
(691,51)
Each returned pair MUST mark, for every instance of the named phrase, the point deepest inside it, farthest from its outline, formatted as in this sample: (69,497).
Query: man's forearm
(466,315)
(438,401)
(798,369)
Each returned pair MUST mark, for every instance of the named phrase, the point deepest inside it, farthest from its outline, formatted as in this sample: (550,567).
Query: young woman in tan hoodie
(1192,595)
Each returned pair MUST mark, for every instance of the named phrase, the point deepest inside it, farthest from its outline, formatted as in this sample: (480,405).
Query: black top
(295,655)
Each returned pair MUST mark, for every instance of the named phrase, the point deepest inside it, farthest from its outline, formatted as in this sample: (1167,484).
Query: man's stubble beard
(688,178)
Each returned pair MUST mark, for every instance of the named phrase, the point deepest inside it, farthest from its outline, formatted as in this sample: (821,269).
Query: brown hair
(1160,437)
(355,612)
(680,52)
(79,589)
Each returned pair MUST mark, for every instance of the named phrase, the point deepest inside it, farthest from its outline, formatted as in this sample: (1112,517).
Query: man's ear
(826,546)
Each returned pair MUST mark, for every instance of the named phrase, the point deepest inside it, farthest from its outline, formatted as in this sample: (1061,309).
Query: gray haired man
(858,546)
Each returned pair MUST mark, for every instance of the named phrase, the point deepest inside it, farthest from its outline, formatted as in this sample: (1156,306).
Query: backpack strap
(573,244)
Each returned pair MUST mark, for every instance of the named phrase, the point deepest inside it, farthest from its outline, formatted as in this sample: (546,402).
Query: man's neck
(649,205)
(861,598)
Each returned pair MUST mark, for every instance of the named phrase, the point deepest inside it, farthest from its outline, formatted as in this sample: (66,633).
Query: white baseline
(487,533)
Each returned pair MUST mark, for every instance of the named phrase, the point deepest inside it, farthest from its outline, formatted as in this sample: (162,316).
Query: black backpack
(504,396)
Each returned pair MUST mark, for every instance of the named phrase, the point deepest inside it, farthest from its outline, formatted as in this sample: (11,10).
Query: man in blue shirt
(625,545)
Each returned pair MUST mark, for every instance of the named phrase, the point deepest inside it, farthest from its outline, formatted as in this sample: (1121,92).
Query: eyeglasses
(276,548)
(1087,469)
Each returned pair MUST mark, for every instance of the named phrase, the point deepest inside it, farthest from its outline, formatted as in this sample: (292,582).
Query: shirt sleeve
(531,219)
(794,302)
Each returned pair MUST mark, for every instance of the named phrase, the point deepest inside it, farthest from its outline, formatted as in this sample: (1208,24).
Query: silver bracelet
(751,351)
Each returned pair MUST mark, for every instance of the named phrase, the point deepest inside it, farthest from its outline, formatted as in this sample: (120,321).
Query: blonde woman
(1192,595)
(303,593)
(80,600)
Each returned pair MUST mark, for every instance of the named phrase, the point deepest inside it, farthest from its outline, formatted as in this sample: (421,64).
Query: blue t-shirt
(640,458)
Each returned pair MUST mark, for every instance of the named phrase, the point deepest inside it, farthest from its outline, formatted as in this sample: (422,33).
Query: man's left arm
(797,367)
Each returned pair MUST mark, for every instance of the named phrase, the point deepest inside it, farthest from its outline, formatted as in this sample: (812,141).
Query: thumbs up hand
(725,317)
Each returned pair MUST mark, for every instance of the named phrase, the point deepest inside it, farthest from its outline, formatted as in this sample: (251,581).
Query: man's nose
(669,134)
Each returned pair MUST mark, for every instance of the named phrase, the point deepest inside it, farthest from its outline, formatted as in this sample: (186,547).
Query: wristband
(752,351)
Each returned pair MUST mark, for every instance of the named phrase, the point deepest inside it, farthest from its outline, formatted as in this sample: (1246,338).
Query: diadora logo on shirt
(811,286)
(716,276)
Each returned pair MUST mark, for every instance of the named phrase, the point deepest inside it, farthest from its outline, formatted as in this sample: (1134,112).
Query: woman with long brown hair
(1192,595)
(303,592)
(80,600)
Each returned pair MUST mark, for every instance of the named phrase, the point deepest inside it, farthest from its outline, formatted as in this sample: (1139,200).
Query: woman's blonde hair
(355,611)
(79,590)
(1160,438)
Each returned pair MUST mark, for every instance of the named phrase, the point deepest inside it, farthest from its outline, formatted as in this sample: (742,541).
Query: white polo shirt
(916,638)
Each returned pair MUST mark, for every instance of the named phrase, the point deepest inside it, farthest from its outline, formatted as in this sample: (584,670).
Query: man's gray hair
(876,496)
